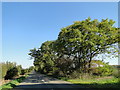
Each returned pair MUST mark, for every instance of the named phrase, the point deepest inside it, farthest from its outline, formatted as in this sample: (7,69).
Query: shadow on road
(48,86)
(59,87)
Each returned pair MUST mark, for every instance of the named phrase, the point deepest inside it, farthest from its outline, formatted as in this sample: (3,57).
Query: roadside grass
(13,83)
(102,82)
(96,82)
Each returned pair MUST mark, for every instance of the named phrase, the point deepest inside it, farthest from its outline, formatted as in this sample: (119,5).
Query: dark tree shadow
(47,86)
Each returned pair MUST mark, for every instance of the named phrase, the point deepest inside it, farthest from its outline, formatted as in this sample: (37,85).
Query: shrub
(24,71)
(116,73)
(103,71)
(80,75)
(74,75)
(9,70)
(11,73)
(31,68)
(19,68)
(55,71)
(5,67)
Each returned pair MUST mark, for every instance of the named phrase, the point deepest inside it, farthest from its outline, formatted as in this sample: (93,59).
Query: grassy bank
(101,82)
(13,83)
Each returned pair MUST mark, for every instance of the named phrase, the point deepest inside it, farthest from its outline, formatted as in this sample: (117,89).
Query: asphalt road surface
(43,82)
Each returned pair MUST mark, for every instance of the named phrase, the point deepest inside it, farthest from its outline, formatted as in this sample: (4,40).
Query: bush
(116,73)
(80,75)
(19,68)
(55,71)
(11,73)
(31,68)
(9,70)
(106,70)
(74,75)
(5,67)
(24,71)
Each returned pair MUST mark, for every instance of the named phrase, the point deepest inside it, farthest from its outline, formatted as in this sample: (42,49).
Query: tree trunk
(89,66)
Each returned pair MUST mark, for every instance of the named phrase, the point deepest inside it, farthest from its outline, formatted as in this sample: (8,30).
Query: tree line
(9,70)
(75,47)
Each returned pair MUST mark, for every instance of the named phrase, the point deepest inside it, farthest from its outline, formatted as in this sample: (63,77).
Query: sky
(26,25)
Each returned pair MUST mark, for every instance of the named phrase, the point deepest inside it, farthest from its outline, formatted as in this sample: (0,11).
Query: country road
(43,82)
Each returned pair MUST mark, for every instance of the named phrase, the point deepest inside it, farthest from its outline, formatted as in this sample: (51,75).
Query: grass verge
(96,82)
(13,83)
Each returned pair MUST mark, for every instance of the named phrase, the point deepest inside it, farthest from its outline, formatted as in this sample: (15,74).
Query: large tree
(85,39)
(76,45)
(44,57)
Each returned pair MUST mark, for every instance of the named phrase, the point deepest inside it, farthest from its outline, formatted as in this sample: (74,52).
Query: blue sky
(26,25)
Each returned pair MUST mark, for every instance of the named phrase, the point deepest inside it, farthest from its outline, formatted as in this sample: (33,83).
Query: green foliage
(11,73)
(19,68)
(43,58)
(3,70)
(105,70)
(75,48)
(10,69)
(101,82)
(27,70)
(86,39)
(13,83)
(6,67)
(78,75)
(24,71)
(31,68)
(75,74)
(116,71)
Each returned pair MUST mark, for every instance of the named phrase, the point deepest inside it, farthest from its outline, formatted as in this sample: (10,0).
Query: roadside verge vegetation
(101,82)
(12,74)
(13,83)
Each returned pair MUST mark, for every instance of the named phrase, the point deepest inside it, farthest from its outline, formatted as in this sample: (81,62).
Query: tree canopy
(76,46)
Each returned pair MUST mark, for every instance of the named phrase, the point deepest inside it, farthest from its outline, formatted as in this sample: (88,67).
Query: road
(43,82)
